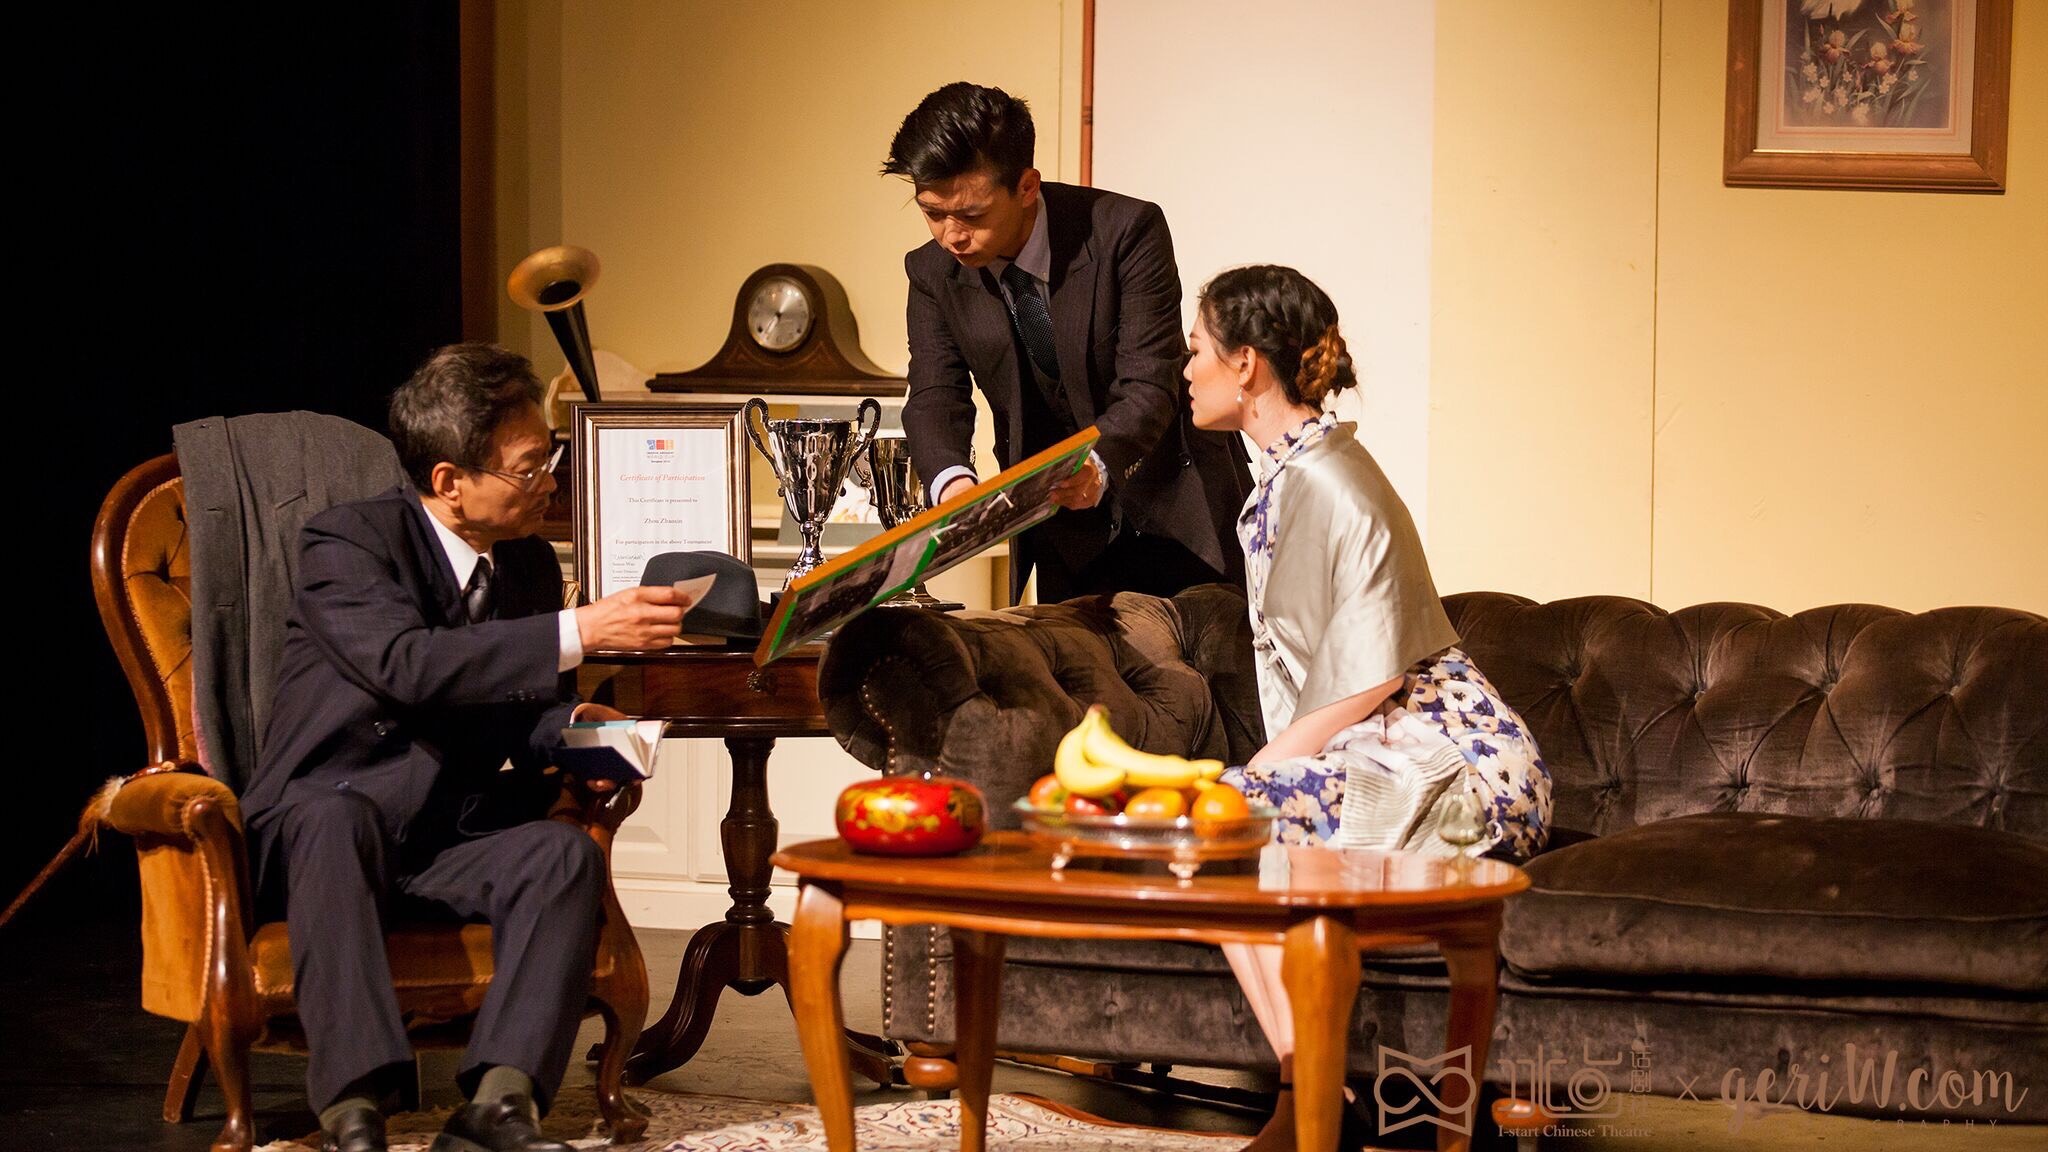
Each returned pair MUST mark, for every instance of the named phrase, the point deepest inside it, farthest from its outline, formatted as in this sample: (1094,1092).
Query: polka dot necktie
(1034,323)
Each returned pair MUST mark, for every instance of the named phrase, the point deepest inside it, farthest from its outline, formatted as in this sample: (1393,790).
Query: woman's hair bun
(1287,319)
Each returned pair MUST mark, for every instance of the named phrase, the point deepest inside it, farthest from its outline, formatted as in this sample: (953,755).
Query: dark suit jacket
(385,690)
(1115,304)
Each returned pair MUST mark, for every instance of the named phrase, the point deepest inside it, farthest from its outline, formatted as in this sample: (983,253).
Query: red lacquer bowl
(912,815)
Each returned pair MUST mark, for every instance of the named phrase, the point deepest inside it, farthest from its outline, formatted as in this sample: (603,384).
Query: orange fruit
(1218,810)
(1156,804)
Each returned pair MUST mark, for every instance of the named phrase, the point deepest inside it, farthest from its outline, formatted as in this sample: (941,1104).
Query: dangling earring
(1240,397)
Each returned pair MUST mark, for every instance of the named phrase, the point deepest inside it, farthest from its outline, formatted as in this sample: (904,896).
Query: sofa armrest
(987,695)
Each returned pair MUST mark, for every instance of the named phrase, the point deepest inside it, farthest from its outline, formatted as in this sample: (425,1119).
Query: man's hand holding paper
(649,616)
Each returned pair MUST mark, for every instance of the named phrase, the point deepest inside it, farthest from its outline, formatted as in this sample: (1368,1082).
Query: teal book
(617,750)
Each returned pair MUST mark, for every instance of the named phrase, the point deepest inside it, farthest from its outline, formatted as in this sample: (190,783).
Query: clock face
(779,316)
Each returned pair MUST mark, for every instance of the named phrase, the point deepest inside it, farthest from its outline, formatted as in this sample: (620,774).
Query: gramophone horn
(553,282)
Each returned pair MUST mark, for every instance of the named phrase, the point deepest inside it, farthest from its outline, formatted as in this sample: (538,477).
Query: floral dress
(1351,606)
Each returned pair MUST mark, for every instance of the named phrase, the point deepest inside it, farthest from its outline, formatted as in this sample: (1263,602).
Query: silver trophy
(898,494)
(810,459)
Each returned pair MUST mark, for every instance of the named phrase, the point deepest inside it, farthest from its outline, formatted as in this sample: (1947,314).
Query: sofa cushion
(1729,896)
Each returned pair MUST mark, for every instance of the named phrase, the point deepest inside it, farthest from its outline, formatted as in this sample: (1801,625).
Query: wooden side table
(1321,905)
(719,693)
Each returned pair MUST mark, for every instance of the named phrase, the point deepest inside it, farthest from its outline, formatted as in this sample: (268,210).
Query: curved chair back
(142,581)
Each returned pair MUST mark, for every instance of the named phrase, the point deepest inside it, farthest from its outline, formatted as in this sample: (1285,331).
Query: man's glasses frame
(527,481)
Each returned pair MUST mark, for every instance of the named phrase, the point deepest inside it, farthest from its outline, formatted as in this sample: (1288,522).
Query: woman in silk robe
(1380,731)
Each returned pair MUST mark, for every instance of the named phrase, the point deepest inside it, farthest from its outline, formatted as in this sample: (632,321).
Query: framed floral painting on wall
(1882,94)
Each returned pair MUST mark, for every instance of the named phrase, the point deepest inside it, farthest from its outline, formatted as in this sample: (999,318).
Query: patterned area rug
(694,1123)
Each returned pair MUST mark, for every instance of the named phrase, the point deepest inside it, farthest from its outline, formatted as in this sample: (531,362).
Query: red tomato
(1085,806)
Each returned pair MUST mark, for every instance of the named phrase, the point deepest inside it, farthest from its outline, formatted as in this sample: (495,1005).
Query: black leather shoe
(359,1130)
(494,1126)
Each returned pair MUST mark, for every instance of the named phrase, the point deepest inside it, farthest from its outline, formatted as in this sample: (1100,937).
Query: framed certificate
(654,478)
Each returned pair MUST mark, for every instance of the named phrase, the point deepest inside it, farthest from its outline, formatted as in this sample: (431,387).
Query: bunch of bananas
(1094,761)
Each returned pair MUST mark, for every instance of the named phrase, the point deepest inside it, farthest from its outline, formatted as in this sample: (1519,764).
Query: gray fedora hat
(732,607)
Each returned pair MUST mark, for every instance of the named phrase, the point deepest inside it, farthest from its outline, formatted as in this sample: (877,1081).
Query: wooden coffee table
(1322,905)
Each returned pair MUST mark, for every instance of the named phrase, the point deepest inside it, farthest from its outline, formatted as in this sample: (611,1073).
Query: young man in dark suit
(427,647)
(1063,306)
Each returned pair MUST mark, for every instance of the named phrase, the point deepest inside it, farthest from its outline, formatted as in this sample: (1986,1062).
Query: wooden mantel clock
(792,331)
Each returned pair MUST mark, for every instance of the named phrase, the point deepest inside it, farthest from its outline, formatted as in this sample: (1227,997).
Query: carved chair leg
(626,1118)
(622,1002)
(229,1019)
(227,1047)
(187,1076)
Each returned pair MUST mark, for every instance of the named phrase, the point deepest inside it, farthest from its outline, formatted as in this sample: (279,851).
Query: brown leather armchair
(205,959)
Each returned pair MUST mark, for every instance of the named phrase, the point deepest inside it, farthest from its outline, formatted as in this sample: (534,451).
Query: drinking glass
(1464,822)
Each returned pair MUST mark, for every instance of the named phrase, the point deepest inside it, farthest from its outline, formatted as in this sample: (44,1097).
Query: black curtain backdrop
(228,211)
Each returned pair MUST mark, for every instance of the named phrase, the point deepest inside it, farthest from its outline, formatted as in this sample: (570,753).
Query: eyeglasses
(528,481)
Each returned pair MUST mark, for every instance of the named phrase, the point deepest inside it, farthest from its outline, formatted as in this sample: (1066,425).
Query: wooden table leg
(977,1001)
(748,951)
(1319,966)
(1472,956)
(817,945)
(746,838)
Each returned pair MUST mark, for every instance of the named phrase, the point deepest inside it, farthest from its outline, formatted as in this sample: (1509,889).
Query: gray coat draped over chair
(251,483)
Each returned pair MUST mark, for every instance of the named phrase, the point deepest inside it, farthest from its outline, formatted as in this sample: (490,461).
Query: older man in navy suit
(424,681)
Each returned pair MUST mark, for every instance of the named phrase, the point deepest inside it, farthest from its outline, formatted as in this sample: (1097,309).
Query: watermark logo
(1863,1082)
(1593,1094)
(1427,1103)
(1601,1088)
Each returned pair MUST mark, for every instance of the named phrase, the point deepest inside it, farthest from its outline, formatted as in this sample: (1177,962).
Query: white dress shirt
(464,560)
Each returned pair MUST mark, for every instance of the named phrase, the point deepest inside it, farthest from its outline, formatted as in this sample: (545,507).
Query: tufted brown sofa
(1784,844)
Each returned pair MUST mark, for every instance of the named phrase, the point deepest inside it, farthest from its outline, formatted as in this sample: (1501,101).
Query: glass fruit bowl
(1183,843)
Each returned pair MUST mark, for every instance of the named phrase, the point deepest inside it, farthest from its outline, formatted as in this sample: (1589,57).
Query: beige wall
(1646,383)
(1542,294)
(1639,381)
(1210,125)
(1852,387)
(688,144)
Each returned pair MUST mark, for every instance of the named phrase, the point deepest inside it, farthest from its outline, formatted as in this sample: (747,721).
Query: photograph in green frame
(917,549)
